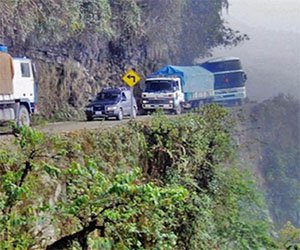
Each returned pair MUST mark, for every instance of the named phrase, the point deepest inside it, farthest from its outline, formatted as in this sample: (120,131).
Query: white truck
(17,89)
(173,88)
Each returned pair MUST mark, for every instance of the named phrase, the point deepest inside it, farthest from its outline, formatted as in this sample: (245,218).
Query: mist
(271,57)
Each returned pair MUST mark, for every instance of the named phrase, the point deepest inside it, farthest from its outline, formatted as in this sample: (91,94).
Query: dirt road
(71,126)
(64,127)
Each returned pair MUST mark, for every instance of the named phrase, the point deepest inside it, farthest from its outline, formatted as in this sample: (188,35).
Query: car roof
(112,89)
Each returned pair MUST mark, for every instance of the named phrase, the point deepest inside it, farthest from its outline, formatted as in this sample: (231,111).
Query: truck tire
(89,118)
(177,111)
(23,118)
(143,112)
(120,115)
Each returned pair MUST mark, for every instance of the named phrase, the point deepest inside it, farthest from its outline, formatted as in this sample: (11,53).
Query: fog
(271,57)
(278,15)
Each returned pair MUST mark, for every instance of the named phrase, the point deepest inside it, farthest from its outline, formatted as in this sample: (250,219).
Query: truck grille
(164,101)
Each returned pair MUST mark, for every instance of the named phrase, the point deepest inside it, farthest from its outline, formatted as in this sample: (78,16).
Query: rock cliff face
(76,48)
(68,73)
(80,46)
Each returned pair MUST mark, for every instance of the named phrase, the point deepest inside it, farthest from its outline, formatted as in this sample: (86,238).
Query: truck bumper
(158,106)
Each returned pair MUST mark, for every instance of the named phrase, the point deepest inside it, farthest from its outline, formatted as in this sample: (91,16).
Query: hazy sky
(270,14)
(271,57)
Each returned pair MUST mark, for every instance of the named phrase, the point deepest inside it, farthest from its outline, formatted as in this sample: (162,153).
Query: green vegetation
(279,127)
(166,184)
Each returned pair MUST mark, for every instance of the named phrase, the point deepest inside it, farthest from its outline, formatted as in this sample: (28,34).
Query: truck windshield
(160,86)
(230,80)
(112,96)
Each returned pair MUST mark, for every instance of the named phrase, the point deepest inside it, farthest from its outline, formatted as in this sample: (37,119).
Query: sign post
(131,78)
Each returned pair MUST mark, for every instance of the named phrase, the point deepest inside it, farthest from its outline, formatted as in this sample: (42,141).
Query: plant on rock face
(153,185)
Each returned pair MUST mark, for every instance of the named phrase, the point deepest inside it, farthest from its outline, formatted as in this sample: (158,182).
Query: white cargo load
(19,102)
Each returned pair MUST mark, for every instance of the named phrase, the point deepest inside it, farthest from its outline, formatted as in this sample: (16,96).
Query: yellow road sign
(131,78)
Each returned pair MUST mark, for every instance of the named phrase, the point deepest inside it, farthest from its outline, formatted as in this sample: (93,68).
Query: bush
(154,185)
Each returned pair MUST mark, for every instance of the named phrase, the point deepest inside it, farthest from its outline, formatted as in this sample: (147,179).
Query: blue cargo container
(196,82)
(3,48)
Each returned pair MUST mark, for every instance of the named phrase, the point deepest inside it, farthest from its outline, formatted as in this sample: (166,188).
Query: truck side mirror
(142,86)
(244,77)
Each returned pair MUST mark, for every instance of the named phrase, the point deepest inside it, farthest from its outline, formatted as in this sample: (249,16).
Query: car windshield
(111,96)
(160,86)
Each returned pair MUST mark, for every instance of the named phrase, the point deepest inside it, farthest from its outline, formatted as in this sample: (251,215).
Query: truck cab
(24,84)
(230,78)
(162,93)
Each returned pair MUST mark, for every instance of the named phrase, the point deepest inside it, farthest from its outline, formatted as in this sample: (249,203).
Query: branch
(110,207)
(27,169)
(80,236)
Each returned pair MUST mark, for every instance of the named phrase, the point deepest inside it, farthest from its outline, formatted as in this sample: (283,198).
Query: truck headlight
(111,108)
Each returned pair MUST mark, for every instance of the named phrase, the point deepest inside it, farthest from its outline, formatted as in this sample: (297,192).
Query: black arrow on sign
(131,77)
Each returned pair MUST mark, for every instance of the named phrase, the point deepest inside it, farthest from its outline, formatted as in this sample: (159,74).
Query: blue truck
(229,80)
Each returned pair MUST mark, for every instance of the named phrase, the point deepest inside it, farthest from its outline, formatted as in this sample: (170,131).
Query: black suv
(112,102)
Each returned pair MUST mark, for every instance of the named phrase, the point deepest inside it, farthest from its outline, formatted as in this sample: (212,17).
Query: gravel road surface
(70,126)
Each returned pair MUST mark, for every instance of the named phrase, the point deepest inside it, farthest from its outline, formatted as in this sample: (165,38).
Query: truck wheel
(142,112)
(178,110)
(89,118)
(23,118)
(120,115)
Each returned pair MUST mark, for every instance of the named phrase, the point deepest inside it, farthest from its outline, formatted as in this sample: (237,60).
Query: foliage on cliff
(278,131)
(157,185)
(80,46)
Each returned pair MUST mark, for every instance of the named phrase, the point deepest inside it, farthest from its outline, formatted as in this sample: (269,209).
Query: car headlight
(89,108)
(111,108)
(145,101)
(171,101)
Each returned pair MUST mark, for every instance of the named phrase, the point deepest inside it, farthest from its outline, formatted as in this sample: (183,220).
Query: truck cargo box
(197,82)
(6,74)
